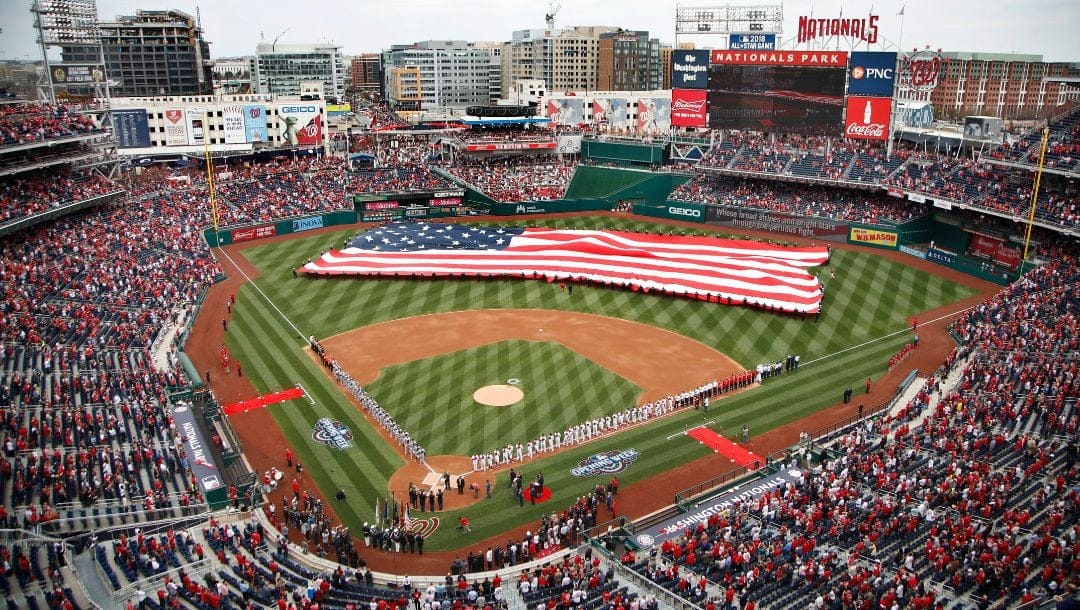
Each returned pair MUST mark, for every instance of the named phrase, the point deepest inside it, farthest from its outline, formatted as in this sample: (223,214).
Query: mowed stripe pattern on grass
(870,297)
(432,398)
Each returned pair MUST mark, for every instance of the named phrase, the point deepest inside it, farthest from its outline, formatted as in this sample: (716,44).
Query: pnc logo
(687,212)
(859,73)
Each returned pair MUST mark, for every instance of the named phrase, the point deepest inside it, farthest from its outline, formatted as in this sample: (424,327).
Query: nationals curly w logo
(423,527)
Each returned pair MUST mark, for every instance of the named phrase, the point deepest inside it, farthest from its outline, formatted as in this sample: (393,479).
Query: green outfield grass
(432,398)
(870,298)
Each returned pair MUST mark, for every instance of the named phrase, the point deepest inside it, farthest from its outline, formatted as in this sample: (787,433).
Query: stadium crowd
(30,122)
(29,194)
(517,179)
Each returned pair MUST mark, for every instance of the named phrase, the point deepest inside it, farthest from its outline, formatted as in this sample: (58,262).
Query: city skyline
(1044,27)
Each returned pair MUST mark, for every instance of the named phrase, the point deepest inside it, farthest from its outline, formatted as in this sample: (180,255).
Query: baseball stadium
(735,348)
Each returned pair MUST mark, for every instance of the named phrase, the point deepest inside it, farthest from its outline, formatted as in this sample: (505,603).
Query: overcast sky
(1047,27)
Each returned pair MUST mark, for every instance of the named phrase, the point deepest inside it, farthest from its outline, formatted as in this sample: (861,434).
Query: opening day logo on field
(332,433)
(610,462)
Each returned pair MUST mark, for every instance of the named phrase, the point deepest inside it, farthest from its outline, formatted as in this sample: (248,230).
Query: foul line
(883,337)
(306,394)
(687,431)
(259,290)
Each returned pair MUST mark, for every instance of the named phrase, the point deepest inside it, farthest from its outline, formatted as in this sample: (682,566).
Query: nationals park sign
(830,59)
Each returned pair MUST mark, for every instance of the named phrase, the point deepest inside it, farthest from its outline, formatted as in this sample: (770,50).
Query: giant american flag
(707,268)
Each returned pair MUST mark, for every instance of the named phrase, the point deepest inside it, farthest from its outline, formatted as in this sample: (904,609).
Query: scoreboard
(410,205)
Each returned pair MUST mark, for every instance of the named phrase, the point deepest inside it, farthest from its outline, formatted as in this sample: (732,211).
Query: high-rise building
(151,53)
(565,59)
(440,75)
(281,68)
(628,61)
(366,72)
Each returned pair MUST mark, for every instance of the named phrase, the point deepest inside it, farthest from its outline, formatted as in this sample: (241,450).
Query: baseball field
(421,359)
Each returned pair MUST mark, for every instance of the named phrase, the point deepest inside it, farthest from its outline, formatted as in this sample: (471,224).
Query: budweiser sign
(689,108)
(867,118)
(923,70)
(863,29)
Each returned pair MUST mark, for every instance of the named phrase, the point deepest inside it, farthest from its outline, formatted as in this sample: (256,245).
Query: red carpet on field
(545,494)
(716,442)
(261,401)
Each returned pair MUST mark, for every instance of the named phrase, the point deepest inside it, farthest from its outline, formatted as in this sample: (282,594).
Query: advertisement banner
(198,451)
(751,42)
(307,224)
(872,236)
(338,109)
(913,252)
(232,120)
(995,249)
(867,118)
(303,124)
(871,73)
(743,494)
(690,69)
(830,59)
(250,233)
(77,74)
(566,111)
(511,146)
(195,118)
(941,256)
(382,215)
(673,210)
(132,128)
(175,128)
(255,124)
(654,115)
(612,112)
(689,108)
(759,220)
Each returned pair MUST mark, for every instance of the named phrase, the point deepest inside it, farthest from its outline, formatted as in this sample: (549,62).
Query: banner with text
(303,124)
(867,118)
(869,235)
(201,460)
(829,59)
(871,73)
(690,69)
(751,42)
(175,128)
(760,220)
(195,119)
(654,115)
(255,123)
(232,119)
(689,108)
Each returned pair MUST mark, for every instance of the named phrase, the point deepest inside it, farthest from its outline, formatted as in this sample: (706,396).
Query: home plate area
(721,445)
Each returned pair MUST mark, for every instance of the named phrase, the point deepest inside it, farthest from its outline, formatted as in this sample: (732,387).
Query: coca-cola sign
(867,118)
(923,70)
(689,108)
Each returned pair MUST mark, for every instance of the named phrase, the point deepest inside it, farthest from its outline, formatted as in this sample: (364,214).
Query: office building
(440,75)
(281,68)
(232,75)
(628,61)
(366,71)
(565,59)
(151,53)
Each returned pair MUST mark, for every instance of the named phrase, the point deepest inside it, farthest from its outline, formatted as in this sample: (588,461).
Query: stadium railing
(666,597)
(684,497)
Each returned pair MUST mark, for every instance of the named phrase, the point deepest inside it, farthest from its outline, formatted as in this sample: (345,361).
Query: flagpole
(1034,197)
(210,182)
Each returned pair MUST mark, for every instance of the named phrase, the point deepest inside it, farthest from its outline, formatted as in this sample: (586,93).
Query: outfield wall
(232,235)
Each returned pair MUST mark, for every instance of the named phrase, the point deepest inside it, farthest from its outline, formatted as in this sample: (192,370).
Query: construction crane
(549,18)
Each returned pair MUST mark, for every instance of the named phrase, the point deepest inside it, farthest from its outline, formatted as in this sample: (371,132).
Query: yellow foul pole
(210,181)
(1035,195)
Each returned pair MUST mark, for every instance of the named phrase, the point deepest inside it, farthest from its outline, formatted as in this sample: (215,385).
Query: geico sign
(299,109)
(688,212)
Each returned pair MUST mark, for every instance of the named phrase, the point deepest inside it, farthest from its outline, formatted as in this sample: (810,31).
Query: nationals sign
(867,118)
(689,108)
(835,59)
(863,29)
(923,70)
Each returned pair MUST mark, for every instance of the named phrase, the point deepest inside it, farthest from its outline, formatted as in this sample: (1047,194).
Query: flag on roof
(706,268)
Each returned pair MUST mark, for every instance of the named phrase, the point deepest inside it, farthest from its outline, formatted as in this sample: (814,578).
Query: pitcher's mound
(498,395)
